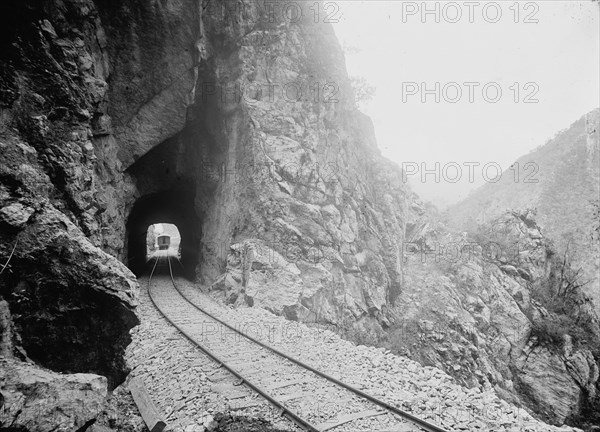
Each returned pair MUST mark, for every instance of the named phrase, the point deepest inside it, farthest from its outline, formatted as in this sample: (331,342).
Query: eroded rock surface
(35,399)
(71,304)
(316,215)
(561,180)
(491,310)
(68,306)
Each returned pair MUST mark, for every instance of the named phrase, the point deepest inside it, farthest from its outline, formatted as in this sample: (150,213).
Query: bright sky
(393,45)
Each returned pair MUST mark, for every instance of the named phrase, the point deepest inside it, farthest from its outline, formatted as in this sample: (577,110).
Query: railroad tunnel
(172,206)
(167,194)
(175,183)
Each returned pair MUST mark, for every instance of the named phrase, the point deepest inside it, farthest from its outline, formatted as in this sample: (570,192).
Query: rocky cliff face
(561,181)
(545,305)
(233,121)
(67,305)
(500,308)
(309,218)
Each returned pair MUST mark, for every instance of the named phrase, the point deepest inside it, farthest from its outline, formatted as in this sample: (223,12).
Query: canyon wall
(513,274)
(497,308)
(561,181)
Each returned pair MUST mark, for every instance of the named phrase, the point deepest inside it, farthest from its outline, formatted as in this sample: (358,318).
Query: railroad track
(311,399)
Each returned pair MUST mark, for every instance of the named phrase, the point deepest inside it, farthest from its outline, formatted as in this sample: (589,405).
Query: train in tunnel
(168,207)
(164,242)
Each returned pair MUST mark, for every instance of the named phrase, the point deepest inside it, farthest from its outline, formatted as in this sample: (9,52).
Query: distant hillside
(560,180)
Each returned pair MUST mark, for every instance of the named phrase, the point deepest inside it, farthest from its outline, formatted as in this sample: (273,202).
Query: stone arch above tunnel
(175,182)
(175,206)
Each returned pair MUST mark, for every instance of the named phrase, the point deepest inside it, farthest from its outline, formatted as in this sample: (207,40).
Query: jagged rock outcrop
(67,297)
(561,181)
(120,414)
(493,307)
(317,214)
(35,399)
(557,184)
(68,306)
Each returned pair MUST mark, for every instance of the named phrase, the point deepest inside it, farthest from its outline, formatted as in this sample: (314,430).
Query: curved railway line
(308,397)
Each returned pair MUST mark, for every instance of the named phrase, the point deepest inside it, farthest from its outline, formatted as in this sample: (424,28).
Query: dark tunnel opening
(174,207)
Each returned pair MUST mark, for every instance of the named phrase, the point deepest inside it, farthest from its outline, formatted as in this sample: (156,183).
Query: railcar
(163,242)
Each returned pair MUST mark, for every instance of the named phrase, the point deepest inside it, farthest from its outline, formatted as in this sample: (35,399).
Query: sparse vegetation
(363,91)
(560,305)
(561,295)
(502,239)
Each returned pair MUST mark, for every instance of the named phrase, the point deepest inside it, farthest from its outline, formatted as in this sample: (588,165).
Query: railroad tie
(347,418)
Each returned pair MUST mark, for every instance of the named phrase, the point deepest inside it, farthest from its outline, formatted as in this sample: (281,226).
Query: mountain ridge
(559,179)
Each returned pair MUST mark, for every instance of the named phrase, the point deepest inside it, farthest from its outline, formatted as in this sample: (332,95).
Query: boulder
(39,400)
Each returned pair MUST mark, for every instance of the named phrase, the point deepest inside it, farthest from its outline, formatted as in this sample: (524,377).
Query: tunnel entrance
(175,183)
(174,207)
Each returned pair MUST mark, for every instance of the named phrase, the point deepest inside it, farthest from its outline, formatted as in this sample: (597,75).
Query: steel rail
(429,427)
(304,424)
